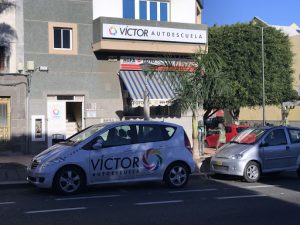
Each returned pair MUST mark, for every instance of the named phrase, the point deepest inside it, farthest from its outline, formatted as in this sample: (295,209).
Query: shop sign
(91,111)
(133,63)
(147,33)
(152,102)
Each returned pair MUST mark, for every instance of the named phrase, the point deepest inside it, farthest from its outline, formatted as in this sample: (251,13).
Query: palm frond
(6,5)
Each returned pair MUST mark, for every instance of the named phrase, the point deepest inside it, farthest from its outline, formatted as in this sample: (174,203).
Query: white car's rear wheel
(176,175)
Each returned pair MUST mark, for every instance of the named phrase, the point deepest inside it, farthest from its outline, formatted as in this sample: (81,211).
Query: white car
(115,152)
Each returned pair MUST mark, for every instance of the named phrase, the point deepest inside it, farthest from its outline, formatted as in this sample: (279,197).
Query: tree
(7,33)
(5,5)
(198,83)
(239,46)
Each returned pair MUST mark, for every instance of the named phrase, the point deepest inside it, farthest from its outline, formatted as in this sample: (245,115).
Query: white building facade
(128,33)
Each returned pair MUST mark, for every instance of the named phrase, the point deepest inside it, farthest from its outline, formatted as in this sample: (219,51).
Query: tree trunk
(201,138)
(235,114)
(285,113)
(196,154)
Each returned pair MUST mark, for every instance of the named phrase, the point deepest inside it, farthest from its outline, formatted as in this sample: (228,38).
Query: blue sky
(274,12)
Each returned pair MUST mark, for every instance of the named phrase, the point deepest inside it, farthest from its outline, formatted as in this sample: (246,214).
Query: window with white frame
(154,10)
(62,38)
(146,10)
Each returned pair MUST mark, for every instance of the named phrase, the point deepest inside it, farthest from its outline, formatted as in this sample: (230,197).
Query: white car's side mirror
(98,145)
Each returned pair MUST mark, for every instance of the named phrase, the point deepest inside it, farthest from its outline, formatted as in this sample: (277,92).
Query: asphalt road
(213,201)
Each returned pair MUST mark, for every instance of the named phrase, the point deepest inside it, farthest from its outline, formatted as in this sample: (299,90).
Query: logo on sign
(56,113)
(112,31)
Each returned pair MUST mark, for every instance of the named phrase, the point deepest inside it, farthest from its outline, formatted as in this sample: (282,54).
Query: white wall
(107,8)
(183,11)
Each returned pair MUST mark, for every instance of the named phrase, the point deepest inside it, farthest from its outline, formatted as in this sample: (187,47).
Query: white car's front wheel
(69,180)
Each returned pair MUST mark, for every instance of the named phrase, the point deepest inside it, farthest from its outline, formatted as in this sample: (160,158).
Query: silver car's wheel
(69,180)
(176,175)
(252,172)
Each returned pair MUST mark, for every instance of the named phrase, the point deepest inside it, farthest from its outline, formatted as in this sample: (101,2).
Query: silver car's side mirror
(263,144)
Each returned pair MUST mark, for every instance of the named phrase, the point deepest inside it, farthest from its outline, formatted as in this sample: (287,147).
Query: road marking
(55,210)
(7,203)
(241,196)
(261,186)
(87,197)
(156,203)
(197,190)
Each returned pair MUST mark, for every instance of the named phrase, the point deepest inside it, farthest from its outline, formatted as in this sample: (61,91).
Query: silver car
(115,152)
(259,150)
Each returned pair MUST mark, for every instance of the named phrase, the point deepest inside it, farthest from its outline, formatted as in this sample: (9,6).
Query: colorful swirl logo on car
(152,159)
(112,31)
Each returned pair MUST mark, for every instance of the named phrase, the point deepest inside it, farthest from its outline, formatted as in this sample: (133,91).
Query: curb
(14,184)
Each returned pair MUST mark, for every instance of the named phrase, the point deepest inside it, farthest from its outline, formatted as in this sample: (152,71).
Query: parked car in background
(259,150)
(115,152)
(230,132)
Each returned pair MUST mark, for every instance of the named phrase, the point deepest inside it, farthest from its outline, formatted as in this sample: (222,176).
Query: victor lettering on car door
(115,160)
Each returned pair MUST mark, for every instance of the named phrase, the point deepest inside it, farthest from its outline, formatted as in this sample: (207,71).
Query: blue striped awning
(161,87)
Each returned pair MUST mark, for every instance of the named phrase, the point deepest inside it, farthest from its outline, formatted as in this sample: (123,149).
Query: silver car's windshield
(82,135)
(249,136)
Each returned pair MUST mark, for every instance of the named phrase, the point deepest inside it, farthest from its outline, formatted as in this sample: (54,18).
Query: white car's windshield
(249,136)
(84,134)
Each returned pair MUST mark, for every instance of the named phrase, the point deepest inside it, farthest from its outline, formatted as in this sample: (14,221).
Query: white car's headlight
(52,162)
(237,156)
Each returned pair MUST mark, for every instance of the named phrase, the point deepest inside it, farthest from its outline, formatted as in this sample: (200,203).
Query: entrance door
(56,112)
(73,118)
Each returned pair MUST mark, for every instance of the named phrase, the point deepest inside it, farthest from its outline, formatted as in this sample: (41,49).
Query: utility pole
(263,76)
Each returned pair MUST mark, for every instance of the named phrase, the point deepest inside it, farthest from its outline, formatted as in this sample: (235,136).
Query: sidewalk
(13,167)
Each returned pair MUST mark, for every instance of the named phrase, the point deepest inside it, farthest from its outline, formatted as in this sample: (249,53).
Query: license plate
(218,163)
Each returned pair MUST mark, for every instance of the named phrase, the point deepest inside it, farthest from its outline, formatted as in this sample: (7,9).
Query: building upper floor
(181,11)
(30,29)
(148,27)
